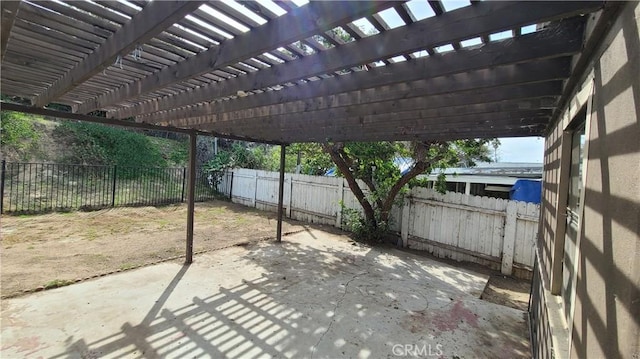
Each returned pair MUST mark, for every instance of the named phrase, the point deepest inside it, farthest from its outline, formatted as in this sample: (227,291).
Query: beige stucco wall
(606,319)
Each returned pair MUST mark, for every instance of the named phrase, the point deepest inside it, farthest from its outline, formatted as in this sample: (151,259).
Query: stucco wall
(606,321)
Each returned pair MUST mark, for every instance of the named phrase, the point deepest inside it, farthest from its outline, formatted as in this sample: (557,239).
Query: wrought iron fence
(46,187)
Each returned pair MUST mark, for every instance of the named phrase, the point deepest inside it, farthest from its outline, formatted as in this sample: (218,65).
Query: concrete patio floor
(315,295)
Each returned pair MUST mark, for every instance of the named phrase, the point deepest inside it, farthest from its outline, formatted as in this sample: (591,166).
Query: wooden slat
(149,22)
(483,18)
(58,22)
(404,14)
(278,32)
(526,48)
(394,111)
(403,97)
(9,11)
(234,14)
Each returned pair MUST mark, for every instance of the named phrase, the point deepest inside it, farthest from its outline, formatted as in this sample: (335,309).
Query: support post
(280,194)
(509,239)
(191,197)
(4,169)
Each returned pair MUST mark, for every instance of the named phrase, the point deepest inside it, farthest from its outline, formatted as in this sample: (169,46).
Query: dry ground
(55,249)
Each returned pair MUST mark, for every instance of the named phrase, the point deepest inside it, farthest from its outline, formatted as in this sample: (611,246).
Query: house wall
(606,318)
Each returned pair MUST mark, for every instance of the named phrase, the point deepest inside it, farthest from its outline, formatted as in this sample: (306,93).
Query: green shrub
(18,133)
(354,222)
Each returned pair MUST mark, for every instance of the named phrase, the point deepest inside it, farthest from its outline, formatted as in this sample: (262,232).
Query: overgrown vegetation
(95,144)
(18,133)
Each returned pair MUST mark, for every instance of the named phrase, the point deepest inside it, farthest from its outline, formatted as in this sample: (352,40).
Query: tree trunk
(369,213)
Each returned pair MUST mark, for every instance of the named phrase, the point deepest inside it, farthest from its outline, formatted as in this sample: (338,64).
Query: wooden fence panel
(526,233)
(489,231)
(267,190)
(315,199)
(244,186)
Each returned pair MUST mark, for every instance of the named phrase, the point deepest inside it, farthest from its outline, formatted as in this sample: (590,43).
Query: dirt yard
(47,251)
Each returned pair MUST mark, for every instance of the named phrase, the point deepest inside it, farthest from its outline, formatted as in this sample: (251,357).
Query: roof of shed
(278,71)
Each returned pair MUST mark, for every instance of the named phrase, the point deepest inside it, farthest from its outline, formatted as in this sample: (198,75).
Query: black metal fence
(45,187)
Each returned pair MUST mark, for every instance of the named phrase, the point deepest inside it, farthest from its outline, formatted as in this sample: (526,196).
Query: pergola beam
(387,96)
(149,22)
(395,113)
(295,25)
(388,120)
(9,11)
(545,44)
(502,124)
(482,18)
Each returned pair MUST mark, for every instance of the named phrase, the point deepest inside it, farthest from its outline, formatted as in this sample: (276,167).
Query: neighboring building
(586,290)
(493,179)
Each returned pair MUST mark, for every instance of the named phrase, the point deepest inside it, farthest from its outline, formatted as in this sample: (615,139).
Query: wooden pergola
(282,72)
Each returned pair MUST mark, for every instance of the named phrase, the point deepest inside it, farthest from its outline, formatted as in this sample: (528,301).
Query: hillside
(30,138)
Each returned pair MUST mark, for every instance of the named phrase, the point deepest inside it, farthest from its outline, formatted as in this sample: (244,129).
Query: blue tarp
(526,190)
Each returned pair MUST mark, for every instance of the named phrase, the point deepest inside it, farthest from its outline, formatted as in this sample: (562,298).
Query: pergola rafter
(459,66)
(9,10)
(479,19)
(298,24)
(155,18)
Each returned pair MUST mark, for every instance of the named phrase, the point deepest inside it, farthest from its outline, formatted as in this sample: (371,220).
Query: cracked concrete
(335,310)
(314,295)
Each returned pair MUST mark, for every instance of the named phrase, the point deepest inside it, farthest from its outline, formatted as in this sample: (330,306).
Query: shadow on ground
(315,295)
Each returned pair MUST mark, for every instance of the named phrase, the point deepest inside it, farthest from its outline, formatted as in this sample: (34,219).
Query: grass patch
(56,283)
(127,266)
(91,235)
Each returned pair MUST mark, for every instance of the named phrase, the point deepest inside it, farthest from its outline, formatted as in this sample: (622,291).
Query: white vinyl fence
(490,231)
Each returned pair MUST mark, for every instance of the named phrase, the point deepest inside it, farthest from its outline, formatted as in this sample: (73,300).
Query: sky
(521,149)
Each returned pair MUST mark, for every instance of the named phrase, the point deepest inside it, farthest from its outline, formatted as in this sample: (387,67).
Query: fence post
(113,186)
(255,189)
(340,199)
(2,177)
(404,224)
(231,187)
(509,240)
(290,199)
(184,178)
